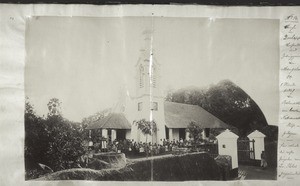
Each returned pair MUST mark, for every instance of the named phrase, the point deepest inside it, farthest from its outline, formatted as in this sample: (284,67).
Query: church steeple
(147,68)
(149,102)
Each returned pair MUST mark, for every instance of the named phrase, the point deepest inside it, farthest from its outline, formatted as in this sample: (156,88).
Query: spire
(147,50)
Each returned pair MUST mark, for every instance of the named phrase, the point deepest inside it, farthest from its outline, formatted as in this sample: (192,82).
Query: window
(153,77)
(154,106)
(140,106)
(141,83)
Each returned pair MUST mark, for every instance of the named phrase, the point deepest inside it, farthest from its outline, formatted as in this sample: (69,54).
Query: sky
(86,62)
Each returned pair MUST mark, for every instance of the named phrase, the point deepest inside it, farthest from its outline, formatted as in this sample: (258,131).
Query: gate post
(259,140)
(227,145)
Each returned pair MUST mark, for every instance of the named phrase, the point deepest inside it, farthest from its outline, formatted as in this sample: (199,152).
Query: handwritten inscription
(289,144)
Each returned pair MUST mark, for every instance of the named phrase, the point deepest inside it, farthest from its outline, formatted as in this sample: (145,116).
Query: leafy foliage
(65,142)
(36,139)
(195,131)
(54,107)
(198,166)
(146,127)
(227,101)
(52,141)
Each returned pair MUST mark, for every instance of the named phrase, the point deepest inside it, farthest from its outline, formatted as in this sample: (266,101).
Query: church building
(171,118)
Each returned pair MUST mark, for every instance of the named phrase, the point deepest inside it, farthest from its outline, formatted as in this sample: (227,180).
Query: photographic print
(151,98)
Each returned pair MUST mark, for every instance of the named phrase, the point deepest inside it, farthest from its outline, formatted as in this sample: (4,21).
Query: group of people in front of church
(134,148)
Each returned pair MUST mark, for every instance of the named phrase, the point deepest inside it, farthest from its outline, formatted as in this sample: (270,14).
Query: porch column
(104,133)
(203,134)
(187,135)
(113,134)
(170,134)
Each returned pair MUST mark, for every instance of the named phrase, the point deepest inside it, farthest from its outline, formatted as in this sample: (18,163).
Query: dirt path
(156,157)
(150,157)
(257,173)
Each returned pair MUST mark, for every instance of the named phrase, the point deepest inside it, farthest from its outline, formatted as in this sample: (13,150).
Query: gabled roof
(179,115)
(256,134)
(227,134)
(111,121)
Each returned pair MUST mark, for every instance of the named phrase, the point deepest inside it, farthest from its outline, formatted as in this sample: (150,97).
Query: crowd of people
(133,148)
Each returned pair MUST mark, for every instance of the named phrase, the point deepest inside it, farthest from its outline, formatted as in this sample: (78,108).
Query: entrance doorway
(167,133)
(182,133)
(121,134)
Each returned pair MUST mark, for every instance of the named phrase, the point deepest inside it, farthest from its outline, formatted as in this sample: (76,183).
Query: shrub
(196,166)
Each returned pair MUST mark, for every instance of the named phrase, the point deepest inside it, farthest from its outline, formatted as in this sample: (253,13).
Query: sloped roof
(179,115)
(111,121)
(256,134)
(227,134)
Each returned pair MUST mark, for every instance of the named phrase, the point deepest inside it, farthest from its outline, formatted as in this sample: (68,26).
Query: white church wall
(159,117)
(147,82)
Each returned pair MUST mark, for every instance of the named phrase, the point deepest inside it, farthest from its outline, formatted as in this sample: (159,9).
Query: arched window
(142,74)
(153,77)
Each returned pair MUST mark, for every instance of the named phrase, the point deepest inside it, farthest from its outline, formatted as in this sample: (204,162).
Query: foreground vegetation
(196,166)
(52,143)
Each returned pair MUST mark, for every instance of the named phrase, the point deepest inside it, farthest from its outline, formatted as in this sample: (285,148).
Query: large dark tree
(226,101)
(36,138)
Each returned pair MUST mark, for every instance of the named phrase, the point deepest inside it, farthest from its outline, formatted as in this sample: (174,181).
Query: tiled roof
(179,115)
(111,121)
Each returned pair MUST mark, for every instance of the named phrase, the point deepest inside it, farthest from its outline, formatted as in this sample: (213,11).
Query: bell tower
(149,98)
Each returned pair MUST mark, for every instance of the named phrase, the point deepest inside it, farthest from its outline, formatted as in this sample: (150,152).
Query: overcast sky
(86,62)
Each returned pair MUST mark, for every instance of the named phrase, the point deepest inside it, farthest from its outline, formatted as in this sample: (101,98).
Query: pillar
(170,134)
(104,133)
(203,134)
(113,135)
(259,144)
(227,145)
(187,135)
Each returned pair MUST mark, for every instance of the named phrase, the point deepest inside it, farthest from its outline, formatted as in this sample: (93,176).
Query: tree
(146,127)
(54,107)
(195,132)
(65,138)
(52,141)
(226,101)
(65,143)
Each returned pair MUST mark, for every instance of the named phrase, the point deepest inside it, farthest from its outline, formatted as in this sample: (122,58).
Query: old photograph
(151,98)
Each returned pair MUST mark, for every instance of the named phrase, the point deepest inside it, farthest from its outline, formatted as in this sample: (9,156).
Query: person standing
(263,162)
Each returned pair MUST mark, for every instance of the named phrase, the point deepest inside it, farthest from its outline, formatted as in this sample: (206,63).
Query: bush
(196,166)
(52,141)
(225,164)
(98,164)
